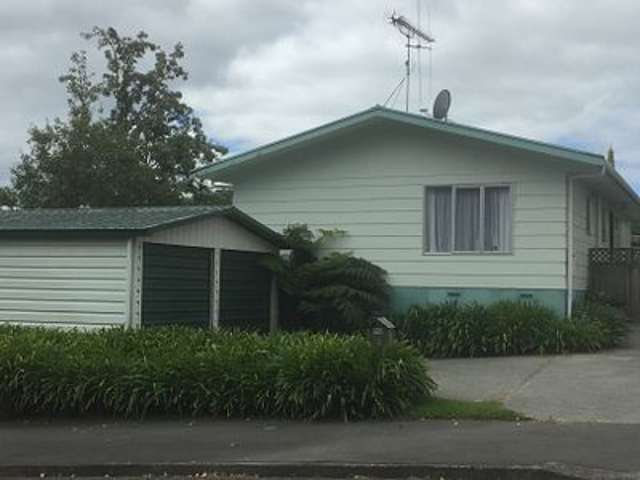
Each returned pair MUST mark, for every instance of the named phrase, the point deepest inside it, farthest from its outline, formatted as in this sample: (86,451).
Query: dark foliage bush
(509,328)
(195,372)
(336,292)
(593,326)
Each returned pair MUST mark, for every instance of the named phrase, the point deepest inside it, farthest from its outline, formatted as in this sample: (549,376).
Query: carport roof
(127,220)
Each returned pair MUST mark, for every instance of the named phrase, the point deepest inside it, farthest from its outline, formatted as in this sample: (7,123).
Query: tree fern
(333,292)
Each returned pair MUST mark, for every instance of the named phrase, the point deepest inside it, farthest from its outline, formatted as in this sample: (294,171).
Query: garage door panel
(176,277)
(174,262)
(245,291)
(185,319)
(195,305)
(185,288)
(176,285)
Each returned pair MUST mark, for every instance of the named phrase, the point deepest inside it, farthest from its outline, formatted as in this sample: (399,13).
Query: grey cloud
(557,71)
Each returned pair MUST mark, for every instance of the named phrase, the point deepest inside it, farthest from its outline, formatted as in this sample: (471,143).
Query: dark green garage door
(245,291)
(175,285)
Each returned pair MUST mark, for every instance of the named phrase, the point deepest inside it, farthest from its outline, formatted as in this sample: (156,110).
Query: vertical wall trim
(212,290)
(215,289)
(137,283)
(274,310)
(569,306)
(128,317)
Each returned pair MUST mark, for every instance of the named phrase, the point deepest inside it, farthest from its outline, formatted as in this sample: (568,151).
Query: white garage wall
(212,232)
(66,283)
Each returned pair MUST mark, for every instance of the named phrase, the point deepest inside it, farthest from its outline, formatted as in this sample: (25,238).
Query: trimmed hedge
(509,328)
(195,372)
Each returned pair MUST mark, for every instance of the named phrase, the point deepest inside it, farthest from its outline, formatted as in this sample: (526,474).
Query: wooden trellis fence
(615,273)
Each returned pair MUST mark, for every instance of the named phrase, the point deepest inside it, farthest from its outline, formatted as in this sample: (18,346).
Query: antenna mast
(416,39)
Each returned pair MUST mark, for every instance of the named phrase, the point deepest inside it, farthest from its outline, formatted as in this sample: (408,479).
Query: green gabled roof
(127,220)
(379,112)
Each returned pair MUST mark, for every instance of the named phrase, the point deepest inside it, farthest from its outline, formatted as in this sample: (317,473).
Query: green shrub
(593,327)
(194,372)
(509,328)
(336,292)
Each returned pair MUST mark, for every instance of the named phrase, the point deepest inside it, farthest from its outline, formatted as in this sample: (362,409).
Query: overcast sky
(562,71)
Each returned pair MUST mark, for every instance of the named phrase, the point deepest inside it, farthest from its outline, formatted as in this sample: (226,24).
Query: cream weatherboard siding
(372,186)
(582,240)
(213,232)
(66,283)
(625,234)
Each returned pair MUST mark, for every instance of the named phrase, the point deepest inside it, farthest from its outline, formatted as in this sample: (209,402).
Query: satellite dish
(441,105)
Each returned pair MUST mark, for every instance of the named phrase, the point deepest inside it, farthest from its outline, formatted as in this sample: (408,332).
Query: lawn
(446,409)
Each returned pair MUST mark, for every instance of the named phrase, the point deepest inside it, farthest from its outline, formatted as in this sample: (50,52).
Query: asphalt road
(596,446)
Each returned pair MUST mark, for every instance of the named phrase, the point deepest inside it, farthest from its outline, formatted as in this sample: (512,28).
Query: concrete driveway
(602,387)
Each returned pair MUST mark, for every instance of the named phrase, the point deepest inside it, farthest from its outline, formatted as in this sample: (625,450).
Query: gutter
(569,218)
(622,183)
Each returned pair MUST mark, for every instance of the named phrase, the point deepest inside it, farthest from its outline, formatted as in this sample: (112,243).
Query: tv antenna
(417,39)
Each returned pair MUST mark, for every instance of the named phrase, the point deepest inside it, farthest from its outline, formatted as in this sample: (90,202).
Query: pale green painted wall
(582,241)
(370,183)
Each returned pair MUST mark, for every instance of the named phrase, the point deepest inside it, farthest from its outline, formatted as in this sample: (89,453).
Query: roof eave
(230,212)
(256,227)
(58,233)
(184,220)
(285,143)
(624,185)
(450,128)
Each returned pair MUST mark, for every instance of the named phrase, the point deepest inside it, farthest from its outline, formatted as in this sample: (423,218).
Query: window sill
(450,254)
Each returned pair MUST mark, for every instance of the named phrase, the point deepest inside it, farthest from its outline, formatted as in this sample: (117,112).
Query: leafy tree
(7,197)
(128,139)
(337,292)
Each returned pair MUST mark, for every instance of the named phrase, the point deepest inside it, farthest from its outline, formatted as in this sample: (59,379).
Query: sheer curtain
(467,220)
(497,219)
(439,219)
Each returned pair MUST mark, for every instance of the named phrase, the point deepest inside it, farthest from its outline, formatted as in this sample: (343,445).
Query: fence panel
(615,273)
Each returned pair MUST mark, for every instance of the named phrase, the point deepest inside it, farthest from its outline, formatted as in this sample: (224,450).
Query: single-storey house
(132,267)
(450,211)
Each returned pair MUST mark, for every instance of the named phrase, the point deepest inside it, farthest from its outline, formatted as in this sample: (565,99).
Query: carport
(136,267)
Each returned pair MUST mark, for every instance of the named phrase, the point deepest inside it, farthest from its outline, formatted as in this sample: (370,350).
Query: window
(438,203)
(497,219)
(468,219)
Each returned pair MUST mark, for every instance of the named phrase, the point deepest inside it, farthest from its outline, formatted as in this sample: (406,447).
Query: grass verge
(447,409)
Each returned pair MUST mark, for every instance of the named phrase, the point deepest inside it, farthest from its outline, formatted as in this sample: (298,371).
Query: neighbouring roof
(126,220)
(378,112)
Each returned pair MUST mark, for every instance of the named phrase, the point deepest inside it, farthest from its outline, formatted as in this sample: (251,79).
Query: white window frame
(454,187)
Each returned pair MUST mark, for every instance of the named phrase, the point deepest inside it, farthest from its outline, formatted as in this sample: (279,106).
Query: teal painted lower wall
(579,296)
(403,297)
